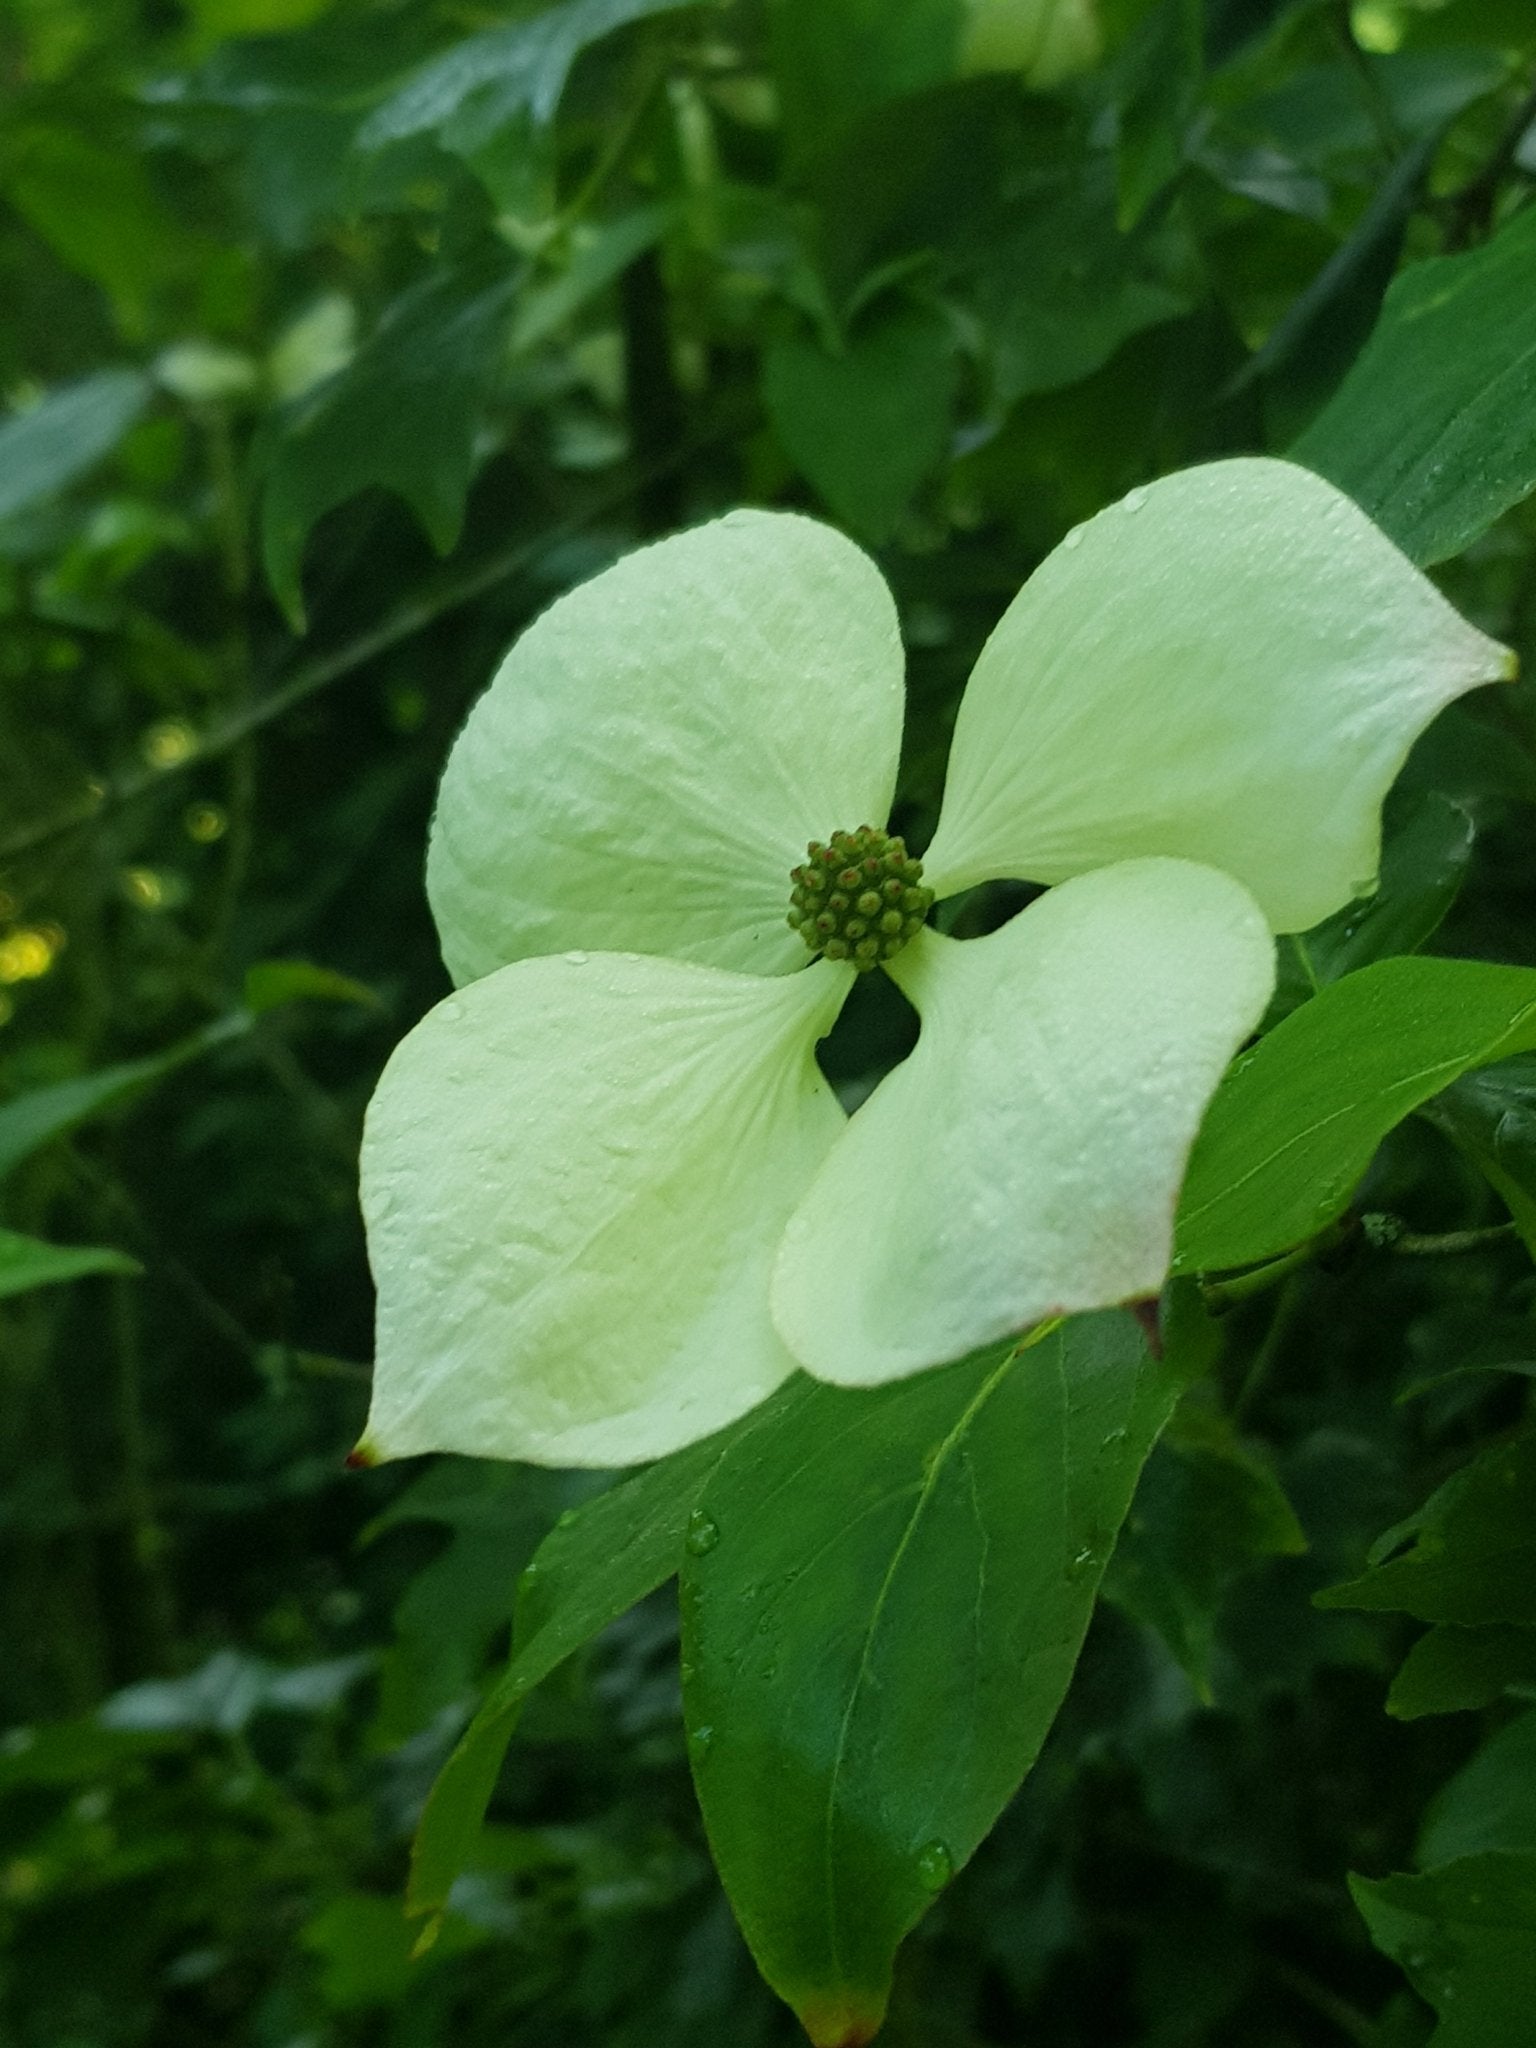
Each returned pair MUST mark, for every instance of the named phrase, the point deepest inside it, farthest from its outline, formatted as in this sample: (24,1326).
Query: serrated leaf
(868,425)
(26,1262)
(44,450)
(1454,1670)
(1434,429)
(400,416)
(1294,1125)
(1466,1936)
(877,1643)
(1471,1548)
(592,1567)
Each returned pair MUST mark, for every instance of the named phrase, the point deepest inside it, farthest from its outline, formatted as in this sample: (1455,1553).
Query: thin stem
(1222,1294)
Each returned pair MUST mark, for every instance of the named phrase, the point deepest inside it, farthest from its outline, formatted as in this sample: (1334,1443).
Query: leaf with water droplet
(882,1642)
(703,1534)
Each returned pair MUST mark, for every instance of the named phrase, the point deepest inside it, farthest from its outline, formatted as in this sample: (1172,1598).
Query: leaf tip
(842,2018)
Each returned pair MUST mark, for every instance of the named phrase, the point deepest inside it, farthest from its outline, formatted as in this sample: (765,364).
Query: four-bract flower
(611,1201)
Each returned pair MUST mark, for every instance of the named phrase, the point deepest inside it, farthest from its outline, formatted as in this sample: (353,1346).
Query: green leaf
(1207,1510)
(31,1120)
(883,1603)
(366,1949)
(1466,1936)
(1293,1127)
(1471,1555)
(1157,90)
(503,76)
(25,1262)
(1434,429)
(271,983)
(100,212)
(1423,866)
(1452,1670)
(1489,1804)
(834,62)
(866,426)
(592,1567)
(67,433)
(401,416)
(453,1606)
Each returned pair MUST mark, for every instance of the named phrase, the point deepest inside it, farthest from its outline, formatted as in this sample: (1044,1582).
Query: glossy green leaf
(1293,1127)
(1470,1554)
(1208,1509)
(401,416)
(65,434)
(866,426)
(1453,1670)
(592,1567)
(31,1120)
(1489,1804)
(1466,1936)
(883,1602)
(25,1262)
(1434,429)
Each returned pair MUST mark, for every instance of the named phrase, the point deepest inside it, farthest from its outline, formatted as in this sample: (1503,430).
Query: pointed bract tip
(362,1457)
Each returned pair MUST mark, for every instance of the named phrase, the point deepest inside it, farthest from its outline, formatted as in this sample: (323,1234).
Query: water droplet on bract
(576,959)
(703,1534)
(1074,539)
(1134,500)
(935,1866)
(452,1010)
(700,1742)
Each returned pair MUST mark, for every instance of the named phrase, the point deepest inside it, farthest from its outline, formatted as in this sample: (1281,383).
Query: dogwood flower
(612,1202)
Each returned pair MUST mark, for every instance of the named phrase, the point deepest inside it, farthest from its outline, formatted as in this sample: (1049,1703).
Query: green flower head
(611,1201)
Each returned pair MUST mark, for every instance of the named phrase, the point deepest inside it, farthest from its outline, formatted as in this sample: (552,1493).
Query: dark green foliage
(402,318)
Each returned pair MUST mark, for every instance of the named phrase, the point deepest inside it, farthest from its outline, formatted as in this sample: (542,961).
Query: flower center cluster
(859,897)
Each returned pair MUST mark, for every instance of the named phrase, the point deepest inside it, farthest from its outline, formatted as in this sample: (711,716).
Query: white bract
(611,1201)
